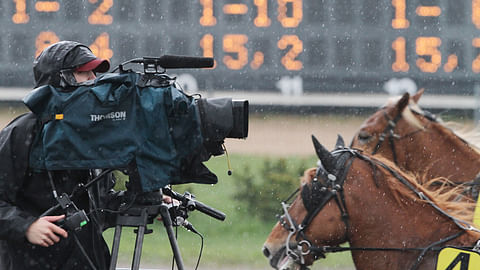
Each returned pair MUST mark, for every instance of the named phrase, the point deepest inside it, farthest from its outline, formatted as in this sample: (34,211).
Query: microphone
(180,61)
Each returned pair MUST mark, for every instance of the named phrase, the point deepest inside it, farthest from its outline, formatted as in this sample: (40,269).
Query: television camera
(141,123)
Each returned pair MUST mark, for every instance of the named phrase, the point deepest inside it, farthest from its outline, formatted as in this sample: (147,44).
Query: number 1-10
(262,19)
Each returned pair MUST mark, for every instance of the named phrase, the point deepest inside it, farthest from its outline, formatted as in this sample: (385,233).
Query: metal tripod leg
(167,222)
(138,247)
(139,219)
(115,247)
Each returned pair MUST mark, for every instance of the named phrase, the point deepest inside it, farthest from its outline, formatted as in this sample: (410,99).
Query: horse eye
(364,136)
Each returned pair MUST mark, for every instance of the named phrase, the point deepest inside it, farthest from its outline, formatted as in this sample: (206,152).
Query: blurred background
(306,66)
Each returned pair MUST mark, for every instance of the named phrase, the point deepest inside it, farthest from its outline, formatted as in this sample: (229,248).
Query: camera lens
(240,119)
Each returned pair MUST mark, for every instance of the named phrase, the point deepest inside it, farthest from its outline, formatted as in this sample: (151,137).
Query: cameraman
(28,241)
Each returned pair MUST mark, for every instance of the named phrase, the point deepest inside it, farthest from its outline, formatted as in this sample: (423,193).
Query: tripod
(139,217)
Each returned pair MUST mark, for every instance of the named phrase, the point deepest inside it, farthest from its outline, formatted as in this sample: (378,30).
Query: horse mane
(438,190)
(441,191)
(468,135)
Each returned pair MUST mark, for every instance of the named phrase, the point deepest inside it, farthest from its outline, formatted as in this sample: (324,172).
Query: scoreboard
(309,46)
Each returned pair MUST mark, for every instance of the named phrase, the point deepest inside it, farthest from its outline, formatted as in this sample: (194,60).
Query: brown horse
(418,142)
(387,217)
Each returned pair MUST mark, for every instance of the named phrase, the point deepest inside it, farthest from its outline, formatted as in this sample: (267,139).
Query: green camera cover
(114,122)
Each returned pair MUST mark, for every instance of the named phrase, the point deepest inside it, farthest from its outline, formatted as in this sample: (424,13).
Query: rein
(333,188)
(389,132)
(431,247)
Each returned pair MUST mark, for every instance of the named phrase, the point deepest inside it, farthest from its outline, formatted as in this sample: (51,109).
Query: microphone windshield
(180,61)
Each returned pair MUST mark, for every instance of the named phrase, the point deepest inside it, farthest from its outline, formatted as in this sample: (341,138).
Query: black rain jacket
(25,194)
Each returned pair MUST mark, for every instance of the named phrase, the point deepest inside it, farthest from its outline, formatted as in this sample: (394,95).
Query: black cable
(93,207)
(187,225)
(75,237)
(52,184)
(83,251)
(96,228)
(79,188)
(190,228)
(201,250)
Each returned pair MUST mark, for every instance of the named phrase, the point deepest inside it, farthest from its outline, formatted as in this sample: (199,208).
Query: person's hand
(44,232)
(168,200)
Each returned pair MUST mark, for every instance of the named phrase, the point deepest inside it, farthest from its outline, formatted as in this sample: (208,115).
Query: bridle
(389,131)
(326,186)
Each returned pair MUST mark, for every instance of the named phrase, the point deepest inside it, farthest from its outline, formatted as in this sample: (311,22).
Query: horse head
(290,242)
(395,131)
(376,127)
(417,141)
(383,212)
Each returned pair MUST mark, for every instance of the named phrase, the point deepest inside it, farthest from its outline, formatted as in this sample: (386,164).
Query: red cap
(97,65)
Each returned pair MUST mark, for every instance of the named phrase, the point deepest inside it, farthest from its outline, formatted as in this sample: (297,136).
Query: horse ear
(403,102)
(324,155)
(340,142)
(417,95)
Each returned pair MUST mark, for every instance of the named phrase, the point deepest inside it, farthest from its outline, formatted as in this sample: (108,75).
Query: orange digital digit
(20,16)
(428,11)
(47,6)
(235,9)
(476,13)
(428,46)
(206,43)
(207,18)
(452,63)
(101,46)
(476,61)
(43,40)
(257,61)
(235,44)
(399,47)
(262,19)
(99,15)
(288,60)
(297,13)
(400,21)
